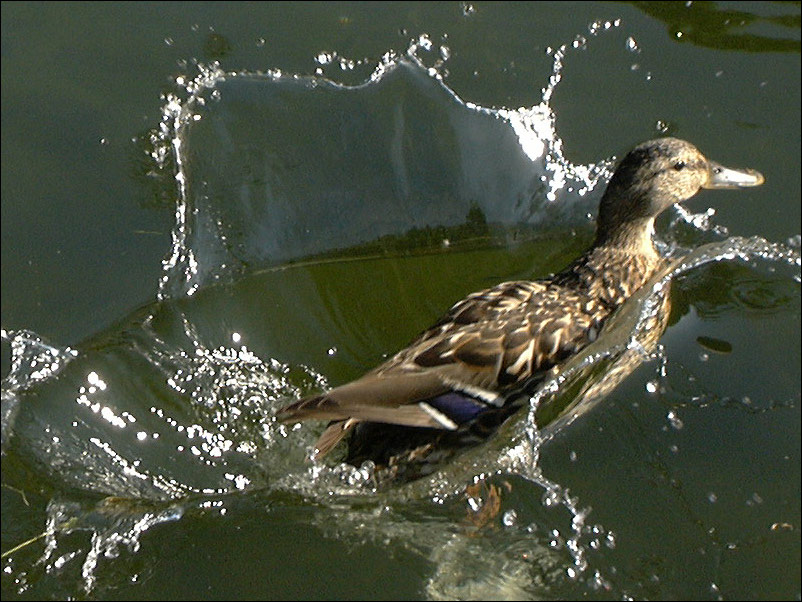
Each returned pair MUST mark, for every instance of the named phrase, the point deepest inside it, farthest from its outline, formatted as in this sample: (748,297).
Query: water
(322,210)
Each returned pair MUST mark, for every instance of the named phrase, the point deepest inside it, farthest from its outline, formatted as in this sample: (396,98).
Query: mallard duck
(461,378)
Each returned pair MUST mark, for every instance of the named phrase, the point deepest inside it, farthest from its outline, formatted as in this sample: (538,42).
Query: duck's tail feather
(332,436)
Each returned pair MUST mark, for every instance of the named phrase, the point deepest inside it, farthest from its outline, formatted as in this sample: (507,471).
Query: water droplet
(674,420)
(331,351)
(712,497)
(651,386)
(510,518)
(550,498)
(600,583)
(632,45)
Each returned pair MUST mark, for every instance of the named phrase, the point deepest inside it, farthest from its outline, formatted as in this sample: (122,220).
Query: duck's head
(655,175)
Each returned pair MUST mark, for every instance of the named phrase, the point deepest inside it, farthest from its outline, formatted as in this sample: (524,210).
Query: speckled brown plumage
(462,377)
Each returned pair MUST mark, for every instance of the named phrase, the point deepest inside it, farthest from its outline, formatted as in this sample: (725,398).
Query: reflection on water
(709,24)
(297,261)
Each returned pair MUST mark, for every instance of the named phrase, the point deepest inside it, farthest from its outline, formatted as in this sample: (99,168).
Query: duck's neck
(634,236)
(619,263)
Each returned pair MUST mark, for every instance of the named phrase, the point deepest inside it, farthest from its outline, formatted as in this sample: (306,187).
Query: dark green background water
(85,226)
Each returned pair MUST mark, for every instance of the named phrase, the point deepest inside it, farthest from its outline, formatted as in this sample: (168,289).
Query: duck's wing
(487,344)
(374,397)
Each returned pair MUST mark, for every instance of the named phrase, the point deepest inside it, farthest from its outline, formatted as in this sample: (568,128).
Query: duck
(460,379)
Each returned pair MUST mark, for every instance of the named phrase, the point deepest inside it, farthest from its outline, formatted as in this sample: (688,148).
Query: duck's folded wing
(390,398)
(414,400)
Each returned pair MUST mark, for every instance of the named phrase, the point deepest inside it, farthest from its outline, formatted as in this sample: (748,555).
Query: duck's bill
(724,177)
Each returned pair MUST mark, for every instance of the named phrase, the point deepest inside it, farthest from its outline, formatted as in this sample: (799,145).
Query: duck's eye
(679,165)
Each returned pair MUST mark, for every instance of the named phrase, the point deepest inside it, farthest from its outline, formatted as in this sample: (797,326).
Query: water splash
(112,525)
(33,361)
(205,246)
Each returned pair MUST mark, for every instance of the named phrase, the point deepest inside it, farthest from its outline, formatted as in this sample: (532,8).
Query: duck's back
(502,336)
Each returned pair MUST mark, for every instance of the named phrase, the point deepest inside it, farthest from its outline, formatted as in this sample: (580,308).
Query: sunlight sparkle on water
(93,379)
